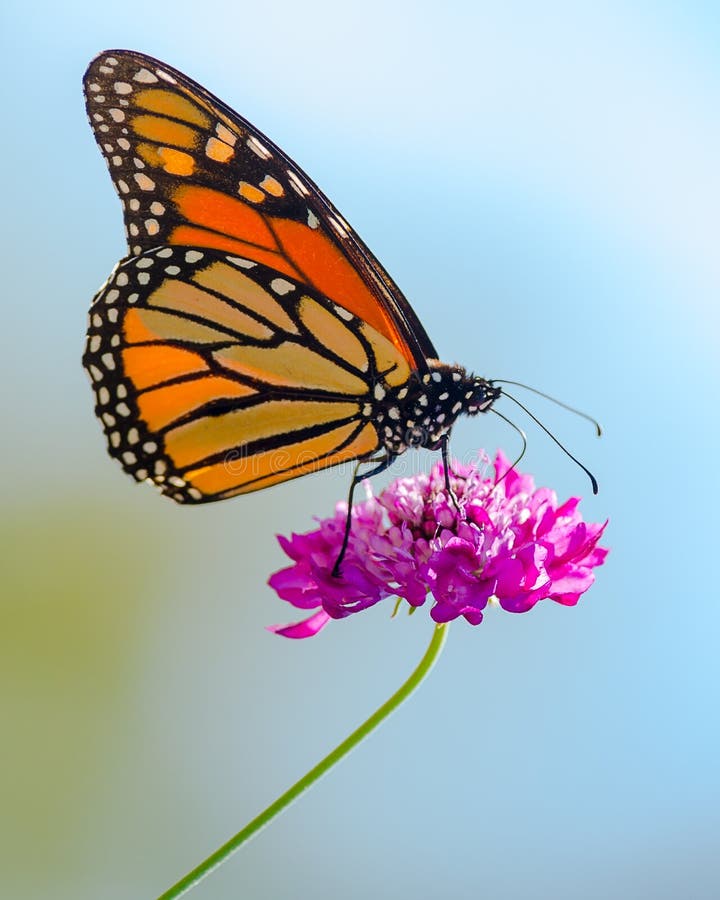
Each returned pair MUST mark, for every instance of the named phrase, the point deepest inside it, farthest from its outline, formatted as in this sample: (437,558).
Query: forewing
(191,172)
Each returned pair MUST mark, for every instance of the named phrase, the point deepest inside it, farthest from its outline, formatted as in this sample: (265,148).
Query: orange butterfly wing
(190,171)
(250,335)
(214,377)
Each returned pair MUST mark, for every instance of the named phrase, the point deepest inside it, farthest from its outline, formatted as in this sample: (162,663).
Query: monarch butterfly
(249,336)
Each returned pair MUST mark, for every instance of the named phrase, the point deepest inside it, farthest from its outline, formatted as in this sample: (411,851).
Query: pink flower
(508,543)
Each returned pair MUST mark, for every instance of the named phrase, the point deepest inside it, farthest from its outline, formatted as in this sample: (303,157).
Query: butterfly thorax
(421,412)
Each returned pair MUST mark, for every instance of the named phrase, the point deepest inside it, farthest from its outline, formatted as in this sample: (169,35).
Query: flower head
(505,541)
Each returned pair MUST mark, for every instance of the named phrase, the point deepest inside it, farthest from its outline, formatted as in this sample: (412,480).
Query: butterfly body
(249,336)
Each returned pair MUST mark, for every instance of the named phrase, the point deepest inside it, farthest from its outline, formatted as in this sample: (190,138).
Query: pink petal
(304,629)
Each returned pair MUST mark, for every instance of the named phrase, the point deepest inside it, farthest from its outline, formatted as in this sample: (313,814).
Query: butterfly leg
(444,447)
(383,462)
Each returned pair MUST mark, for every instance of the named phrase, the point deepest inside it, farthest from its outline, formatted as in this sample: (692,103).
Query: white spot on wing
(259,149)
(240,262)
(144,76)
(337,226)
(344,313)
(225,134)
(143,182)
(281,286)
(297,185)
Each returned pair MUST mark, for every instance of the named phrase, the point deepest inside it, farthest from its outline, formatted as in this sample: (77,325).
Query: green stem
(259,822)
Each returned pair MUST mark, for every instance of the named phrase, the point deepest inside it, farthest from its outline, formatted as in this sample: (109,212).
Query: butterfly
(249,336)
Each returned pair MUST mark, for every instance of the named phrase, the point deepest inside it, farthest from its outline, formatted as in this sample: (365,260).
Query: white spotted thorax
(422,412)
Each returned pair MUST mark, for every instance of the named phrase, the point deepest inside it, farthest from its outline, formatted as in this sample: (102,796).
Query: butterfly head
(479,395)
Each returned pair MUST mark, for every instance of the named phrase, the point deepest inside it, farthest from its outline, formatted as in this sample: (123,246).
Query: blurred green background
(542,181)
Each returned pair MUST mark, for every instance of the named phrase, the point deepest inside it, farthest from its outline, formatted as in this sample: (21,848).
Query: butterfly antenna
(522,436)
(593,480)
(572,409)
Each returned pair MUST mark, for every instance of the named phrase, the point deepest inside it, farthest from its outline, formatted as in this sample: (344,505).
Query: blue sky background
(542,181)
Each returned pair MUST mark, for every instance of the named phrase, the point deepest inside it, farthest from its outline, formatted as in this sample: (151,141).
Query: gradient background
(542,181)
